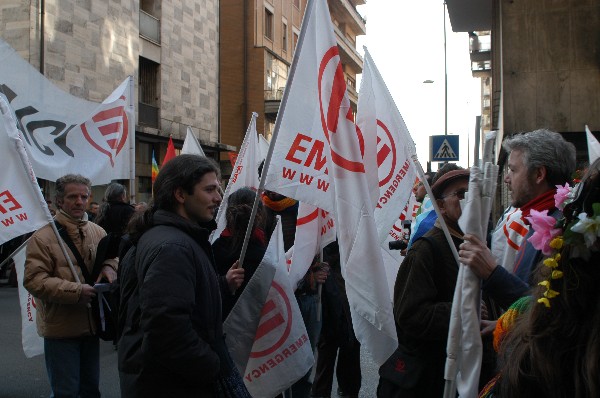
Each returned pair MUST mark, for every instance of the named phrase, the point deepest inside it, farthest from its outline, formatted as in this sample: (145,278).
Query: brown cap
(446,179)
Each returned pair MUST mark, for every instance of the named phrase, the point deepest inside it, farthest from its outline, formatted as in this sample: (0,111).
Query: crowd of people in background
(539,270)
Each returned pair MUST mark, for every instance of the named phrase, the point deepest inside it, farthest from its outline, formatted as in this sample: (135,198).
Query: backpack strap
(65,236)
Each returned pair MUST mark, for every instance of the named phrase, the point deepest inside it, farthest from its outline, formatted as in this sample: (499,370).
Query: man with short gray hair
(64,317)
(538,161)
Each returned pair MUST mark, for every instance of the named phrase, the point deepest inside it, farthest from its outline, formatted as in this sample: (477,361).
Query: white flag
(281,353)
(33,344)
(263,148)
(318,159)
(22,207)
(243,320)
(315,229)
(300,164)
(395,147)
(64,134)
(593,145)
(191,145)
(244,174)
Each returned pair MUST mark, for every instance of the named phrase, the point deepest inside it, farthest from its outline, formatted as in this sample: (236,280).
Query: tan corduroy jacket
(50,280)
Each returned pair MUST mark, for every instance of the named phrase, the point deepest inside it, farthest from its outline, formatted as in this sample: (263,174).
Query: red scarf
(257,234)
(543,202)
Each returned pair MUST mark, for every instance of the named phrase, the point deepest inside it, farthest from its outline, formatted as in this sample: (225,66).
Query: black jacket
(225,257)
(116,218)
(172,332)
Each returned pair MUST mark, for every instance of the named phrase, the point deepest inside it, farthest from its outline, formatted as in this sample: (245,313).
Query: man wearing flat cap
(423,301)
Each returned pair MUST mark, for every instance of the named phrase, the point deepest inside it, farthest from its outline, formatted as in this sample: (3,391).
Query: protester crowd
(540,319)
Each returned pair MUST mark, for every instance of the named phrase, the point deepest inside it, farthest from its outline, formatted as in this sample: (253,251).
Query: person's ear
(540,174)
(179,195)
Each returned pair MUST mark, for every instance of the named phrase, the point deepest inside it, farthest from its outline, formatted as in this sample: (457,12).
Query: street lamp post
(445,77)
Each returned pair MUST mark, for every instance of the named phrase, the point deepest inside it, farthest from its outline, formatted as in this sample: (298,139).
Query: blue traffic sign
(443,148)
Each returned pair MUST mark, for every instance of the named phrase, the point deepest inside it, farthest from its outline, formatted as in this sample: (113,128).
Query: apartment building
(88,48)
(539,66)
(257,43)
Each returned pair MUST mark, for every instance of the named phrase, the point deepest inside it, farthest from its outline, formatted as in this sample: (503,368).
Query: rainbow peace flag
(154,168)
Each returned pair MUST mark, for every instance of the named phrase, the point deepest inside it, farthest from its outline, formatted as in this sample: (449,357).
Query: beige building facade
(87,48)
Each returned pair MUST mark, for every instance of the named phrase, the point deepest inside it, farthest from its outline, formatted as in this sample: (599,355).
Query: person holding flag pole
(64,316)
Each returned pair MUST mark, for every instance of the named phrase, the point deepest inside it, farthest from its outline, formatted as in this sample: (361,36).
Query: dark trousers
(348,366)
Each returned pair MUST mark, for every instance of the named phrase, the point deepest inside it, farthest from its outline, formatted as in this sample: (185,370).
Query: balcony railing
(274,95)
(148,115)
(149,27)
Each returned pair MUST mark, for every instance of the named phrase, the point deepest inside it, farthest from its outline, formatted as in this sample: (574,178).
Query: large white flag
(315,229)
(593,145)
(33,344)
(244,174)
(281,352)
(191,144)
(64,134)
(22,207)
(395,147)
(300,164)
(318,159)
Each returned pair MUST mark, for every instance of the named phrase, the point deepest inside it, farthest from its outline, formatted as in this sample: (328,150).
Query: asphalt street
(21,377)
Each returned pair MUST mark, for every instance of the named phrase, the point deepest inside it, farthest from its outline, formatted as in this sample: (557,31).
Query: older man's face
(520,181)
(449,202)
(75,200)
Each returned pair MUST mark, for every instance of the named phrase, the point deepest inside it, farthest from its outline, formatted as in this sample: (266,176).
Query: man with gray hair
(64,316)
(538,161)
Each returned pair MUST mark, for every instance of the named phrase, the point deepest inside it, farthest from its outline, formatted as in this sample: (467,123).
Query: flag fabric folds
(22,207)
(33,344)
(464,346)
(593,145)
(321,157)
(315,229)
(378,115)
(170,152)
(244,174)
(64,134)
(265,332)
(191,144)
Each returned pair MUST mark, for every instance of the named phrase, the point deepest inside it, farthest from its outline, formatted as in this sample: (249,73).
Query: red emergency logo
(336,114)
(108,129)
(275,323)
(386,153)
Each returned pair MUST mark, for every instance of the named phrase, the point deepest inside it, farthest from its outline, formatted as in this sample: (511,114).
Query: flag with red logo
(22,206)
(321,157)
(315,229)
(395,147)
(300,165)
(65,134)
(33,344)
(244,173)
(270,346)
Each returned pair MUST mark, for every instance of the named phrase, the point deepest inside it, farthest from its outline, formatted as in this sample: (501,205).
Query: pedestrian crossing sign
(444,148)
